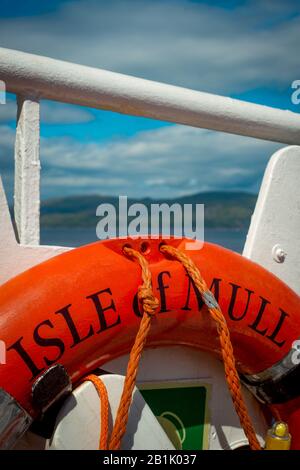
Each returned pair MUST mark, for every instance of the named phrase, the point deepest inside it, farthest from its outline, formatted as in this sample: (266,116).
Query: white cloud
(51,113)
(165,162)
(180,41)
(7,138)
(170,161)
(56,113)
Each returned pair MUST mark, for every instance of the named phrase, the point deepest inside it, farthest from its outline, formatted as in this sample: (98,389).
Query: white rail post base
(273,237)
(17,258)
(27,171)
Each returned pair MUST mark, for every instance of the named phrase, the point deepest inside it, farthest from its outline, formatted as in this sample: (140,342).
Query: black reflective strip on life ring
(278,390)
(277,384)
(14,421)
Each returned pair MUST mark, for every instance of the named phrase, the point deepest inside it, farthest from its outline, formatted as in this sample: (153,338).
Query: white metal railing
(34,77)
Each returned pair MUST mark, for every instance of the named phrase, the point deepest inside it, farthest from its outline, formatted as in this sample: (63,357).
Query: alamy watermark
(296,354)
(296,94)
(2,352)
(2,92)
(153,220)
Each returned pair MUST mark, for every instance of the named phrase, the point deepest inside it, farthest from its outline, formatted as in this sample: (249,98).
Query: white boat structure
(272,240)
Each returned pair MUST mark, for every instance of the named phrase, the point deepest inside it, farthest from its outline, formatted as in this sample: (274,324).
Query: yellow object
(278,437)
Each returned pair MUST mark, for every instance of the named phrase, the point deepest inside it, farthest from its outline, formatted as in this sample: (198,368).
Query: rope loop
(104,408)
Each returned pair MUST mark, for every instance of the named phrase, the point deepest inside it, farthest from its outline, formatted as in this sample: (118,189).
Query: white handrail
(34,77)
(63,81)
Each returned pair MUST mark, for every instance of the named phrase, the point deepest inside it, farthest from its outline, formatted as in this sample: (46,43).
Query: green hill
(222,209)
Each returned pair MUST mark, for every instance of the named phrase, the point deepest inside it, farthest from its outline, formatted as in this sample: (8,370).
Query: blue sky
(243,49)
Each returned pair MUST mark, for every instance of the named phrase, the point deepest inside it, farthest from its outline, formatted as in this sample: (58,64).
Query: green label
(181,409)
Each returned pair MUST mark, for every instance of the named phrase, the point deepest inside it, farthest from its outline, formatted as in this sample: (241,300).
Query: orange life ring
(80,310)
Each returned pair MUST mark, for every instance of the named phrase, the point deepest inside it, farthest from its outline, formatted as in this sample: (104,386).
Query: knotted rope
(231,373)
(149,304)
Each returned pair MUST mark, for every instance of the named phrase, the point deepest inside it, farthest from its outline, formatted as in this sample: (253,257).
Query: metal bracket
(50,387)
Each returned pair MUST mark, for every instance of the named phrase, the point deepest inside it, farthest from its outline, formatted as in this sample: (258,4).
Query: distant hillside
(222,209)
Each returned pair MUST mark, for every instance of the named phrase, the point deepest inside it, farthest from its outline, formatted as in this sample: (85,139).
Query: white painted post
(273,237)
(27,171)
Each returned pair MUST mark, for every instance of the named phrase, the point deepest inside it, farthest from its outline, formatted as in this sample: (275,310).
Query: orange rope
(150,304)
(231,374)
(104,406)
